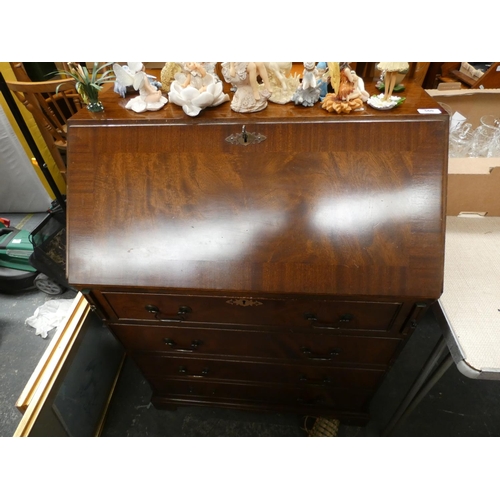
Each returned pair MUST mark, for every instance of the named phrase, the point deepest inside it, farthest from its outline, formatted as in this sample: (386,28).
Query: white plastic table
(468,310)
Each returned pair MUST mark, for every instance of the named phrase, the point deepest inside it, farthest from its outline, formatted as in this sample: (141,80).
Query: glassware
(494,149)
(95,106)
(492,122)
(460,140)
(483,136)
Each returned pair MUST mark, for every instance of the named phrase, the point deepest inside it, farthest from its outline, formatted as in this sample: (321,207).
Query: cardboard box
(473,183)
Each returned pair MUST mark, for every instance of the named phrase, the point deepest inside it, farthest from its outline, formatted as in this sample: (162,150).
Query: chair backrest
(20,72)
(36,71)
(51,103)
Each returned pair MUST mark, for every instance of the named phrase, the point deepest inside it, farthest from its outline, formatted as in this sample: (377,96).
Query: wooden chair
(25,74)
(51,107)
(20,72)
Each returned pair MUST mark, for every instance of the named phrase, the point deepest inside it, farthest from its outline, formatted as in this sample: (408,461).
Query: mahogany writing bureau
(269,261)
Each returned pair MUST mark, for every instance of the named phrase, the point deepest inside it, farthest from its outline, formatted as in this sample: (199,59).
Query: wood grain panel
(301,375)
(313,197)
(318,348)
(332,227)
(312,397)
(290,313)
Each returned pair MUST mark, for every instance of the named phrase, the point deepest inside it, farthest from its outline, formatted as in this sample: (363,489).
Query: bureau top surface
(343,205)
(115,112)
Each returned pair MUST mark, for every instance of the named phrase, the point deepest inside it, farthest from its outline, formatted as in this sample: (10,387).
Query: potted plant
(88,84)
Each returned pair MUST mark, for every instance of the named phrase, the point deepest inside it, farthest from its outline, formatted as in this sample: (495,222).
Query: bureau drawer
(310,397)
(315,347)
(295,314)
(183,368)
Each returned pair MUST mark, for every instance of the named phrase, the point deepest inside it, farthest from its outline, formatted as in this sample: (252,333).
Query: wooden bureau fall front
(269,261)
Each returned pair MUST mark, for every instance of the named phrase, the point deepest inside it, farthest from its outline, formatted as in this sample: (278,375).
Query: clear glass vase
(95,106)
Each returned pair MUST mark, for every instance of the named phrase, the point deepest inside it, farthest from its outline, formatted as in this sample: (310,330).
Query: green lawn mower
(33,259)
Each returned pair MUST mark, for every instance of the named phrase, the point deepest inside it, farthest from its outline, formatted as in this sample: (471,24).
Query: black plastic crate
(49,248)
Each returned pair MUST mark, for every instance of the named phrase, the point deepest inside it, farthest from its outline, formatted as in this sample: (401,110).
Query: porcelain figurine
(392,70)
(147,91)
(358,90)
(250,95)
(168,73)
(308,92)
(193,74)
(322,76)
(124,77)
(283,84)
(210,67)
(348,90)
(308,77)
(132,75)
(149,99)
(194,88)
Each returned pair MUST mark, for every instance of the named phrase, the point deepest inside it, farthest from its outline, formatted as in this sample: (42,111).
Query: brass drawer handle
(184,371)
(320,357)
(169,319)
(343,320)
(173,345)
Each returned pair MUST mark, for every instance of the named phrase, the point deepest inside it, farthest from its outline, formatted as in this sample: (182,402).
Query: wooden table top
(116,113)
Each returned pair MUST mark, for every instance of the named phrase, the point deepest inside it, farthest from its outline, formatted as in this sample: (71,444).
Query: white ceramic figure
(125,76)
(308,77)
(250,96)
(279,70)
(308,92)
(361,87)
(193,74)
(149,98)
(210,68)
(282,83)
(358,89)
(194,89)
(146,90)
(132,74)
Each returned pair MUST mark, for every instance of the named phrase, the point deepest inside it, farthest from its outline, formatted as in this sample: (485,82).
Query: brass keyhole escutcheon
(245,138)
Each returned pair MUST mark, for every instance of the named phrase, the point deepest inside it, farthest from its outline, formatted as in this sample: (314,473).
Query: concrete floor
(20,351)
(456,406)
